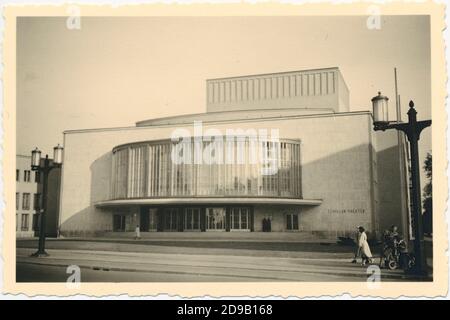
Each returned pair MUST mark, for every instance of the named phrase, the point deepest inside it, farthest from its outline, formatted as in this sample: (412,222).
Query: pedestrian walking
(366,254)
(138,233)
(357,249)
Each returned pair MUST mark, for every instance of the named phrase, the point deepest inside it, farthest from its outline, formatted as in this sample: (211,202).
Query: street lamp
(380,110)
(412,129)
(44,166)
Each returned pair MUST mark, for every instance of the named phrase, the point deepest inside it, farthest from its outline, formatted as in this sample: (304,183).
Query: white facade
(309,89)
(348,172)
(26,194)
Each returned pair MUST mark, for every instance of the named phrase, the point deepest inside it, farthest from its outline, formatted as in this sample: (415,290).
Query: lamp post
(44,166)
(412,129)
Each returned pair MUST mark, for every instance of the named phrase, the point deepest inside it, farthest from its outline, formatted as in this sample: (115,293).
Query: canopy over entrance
(210,200)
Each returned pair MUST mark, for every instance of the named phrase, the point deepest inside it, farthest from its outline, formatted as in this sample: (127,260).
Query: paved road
(175,264)
(39,273)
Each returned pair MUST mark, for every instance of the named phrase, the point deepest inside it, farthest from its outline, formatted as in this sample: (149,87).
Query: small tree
(428,197)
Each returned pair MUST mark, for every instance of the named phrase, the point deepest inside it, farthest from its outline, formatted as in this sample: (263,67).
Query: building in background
(29,199)
(334,172)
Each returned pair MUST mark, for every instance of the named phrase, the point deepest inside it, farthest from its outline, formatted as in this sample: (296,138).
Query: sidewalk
(205,246)
(300,236)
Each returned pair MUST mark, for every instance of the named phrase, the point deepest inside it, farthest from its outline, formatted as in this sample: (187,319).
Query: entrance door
(149,219)
(292,221)
(143,225)
(170,219)
(192,219)
(119,222)
(215,219)
(240,219)
(152,219)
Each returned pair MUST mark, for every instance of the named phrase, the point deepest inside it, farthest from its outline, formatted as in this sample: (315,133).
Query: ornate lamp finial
(411,104)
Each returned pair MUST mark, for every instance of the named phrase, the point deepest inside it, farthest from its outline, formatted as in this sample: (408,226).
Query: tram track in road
(258,268)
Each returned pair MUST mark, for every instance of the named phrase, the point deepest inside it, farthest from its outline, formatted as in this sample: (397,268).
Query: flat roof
(274,73)
(337,114)
(254,113)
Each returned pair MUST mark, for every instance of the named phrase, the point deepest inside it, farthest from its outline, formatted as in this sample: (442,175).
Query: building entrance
(149,219)
(192,219)
(215,219)
(171,220)
(189,219)
(240,219)
(119,222)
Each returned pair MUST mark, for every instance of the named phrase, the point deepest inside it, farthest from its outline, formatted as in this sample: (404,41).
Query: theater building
(298,161)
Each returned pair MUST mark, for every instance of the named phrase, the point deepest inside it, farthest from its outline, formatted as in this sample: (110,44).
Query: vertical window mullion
(164,170)
(172,171)
(158,163)
(150,171)
(153,166)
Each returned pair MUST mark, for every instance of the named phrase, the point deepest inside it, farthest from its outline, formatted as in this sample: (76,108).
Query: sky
(115,71)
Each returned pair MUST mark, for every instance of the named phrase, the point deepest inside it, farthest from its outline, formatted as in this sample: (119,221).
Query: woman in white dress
(138,233)
(366,254)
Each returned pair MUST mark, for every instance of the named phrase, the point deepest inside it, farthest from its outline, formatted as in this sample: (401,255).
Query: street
(39,273)
(194,261)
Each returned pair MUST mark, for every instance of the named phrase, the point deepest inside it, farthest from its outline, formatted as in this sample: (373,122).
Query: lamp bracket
(410,129)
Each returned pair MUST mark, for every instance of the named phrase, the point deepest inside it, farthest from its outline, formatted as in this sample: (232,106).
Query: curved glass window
(241,168)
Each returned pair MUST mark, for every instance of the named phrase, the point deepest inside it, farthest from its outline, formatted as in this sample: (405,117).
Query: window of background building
(37,201)
(26,175)
(24,222)
(26,201)
(17,200)
(17,222)
(17,174)
(292,221)
(37,177)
